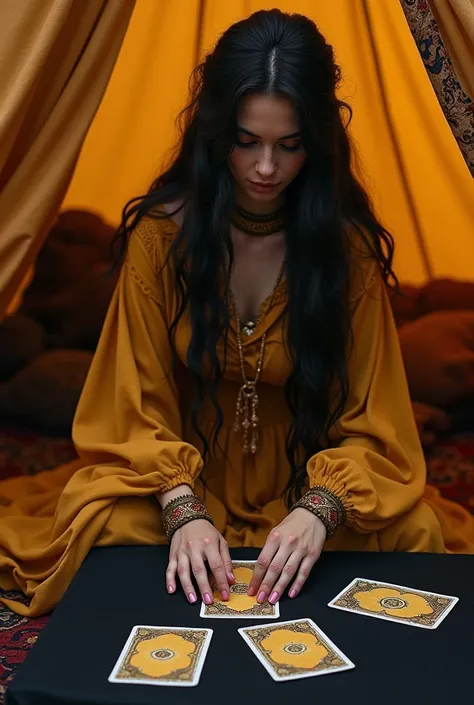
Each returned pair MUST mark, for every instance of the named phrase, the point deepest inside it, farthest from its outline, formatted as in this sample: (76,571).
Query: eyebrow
(251,134)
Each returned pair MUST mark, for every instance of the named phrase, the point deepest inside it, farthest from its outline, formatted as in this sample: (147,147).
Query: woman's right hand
(191,546)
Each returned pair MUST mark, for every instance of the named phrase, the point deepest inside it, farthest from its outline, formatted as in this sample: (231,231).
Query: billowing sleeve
(375,465)
(129,415)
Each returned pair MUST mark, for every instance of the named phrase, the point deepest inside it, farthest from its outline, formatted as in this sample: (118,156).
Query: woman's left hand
(291,549)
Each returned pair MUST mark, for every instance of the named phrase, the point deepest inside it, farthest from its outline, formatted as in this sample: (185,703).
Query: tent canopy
(411,163)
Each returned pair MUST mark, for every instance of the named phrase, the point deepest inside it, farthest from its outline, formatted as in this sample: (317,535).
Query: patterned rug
(450,467)
(17,636)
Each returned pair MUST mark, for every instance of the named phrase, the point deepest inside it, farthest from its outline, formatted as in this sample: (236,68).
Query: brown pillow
(446,295)
(21,340)
(45,393)
(438,352)
(431,422)
(71,287)
(405,304)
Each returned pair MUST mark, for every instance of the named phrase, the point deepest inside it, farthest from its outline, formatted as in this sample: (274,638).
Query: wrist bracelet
(325,505)
(180,511)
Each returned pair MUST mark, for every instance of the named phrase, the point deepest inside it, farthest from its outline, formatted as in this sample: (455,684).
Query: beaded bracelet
(325,505)
(180,511)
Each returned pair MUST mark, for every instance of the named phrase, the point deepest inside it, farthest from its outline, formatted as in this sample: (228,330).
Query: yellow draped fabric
(56,58)
(420,184)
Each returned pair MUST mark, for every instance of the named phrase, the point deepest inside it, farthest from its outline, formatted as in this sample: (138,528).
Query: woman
(249,354)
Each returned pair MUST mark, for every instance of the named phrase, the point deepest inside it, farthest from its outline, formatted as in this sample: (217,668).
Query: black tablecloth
(117,588)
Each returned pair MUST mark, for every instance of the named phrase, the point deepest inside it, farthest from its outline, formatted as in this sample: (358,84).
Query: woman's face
(268,154)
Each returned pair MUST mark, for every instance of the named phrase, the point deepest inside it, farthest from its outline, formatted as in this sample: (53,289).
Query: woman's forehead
(268,115)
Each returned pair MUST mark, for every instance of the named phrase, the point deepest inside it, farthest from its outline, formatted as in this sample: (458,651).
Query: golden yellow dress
(133,434)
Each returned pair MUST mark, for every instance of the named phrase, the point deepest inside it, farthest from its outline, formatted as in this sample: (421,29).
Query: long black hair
(283,54)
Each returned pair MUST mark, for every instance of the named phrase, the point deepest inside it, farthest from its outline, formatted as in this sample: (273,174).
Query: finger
(171,574)
(274,572)
(289,571)
(303,573)
(184,574)
(227,561)
(199,570)
(263,561)
(217,568)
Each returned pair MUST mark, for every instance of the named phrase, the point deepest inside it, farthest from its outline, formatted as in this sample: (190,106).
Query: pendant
(249,328)
(246,417)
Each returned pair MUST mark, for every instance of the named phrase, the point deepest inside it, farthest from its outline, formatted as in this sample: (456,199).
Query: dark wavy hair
(284,54)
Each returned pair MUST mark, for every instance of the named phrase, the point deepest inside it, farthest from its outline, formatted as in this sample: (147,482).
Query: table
(119,587)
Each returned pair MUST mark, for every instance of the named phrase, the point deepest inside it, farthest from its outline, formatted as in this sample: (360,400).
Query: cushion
(21,340)
(431,422)
(446,295)
(405,304)
(438,352)
(72,287)
(45,393)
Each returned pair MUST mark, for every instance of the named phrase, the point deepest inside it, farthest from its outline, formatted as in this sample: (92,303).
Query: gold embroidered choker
(259,225)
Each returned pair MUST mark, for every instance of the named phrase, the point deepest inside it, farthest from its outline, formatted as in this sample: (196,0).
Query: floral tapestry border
(455,103)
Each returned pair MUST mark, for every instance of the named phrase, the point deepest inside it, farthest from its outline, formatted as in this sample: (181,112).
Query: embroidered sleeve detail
(148,232)
(326,505)
(146,288)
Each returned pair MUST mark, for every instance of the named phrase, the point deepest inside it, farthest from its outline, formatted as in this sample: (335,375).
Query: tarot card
(295,649)
(162,656)
(394,603)
(239,605)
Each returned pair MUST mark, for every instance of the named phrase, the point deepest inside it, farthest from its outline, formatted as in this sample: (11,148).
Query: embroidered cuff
(325,505)
(180,511)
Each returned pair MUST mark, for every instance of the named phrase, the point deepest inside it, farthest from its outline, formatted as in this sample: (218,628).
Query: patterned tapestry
(456,104)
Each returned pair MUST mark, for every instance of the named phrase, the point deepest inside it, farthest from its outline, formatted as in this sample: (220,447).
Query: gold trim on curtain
(456,104)
(455,20)
(55,63)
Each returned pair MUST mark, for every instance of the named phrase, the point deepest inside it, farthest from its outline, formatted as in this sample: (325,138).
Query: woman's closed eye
(291,148)
(285,147)
(245,145)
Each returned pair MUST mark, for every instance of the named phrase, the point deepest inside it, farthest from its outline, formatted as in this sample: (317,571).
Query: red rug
(450,467)
(17,636)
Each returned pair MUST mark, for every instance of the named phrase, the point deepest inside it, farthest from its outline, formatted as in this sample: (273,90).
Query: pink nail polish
(273,598)
(225,595)
(207,598)
(230,578)
(292,593)
(170,589)
(192,597)
(262,597)
(251,592)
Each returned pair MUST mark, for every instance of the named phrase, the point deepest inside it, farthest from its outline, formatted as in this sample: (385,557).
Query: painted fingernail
(292,593)
(273,598)
(225,595)
(207,598)
(192,597)
(230,578)
(251,592)
(170,588)
(262,596)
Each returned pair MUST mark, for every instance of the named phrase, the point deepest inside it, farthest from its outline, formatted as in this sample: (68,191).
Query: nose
(266,166)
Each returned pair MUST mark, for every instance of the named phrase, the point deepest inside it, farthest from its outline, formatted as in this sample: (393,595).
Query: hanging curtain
(455,102)
(55,61)
(134,129)
(410,160)
(455,20)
